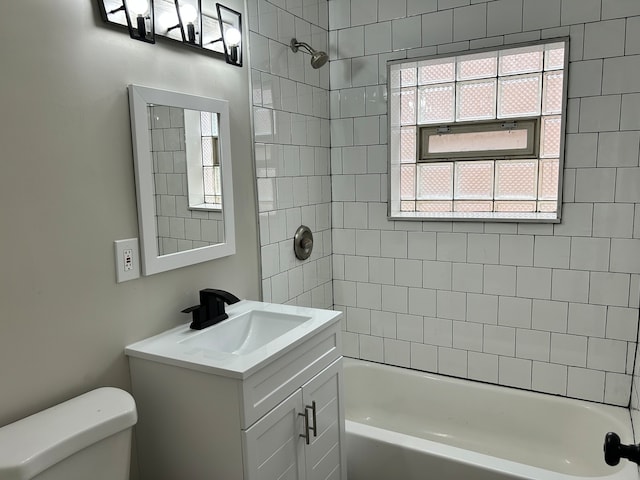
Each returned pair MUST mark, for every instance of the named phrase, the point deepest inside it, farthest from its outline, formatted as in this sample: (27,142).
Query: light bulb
(188,13)
(232,37)
(167,20)
(139,7)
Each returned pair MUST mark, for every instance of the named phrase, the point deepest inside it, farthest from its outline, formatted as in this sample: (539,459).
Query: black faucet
(211,308)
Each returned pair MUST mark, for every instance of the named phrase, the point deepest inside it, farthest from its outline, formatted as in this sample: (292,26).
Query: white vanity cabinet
(301,437)
(199,423)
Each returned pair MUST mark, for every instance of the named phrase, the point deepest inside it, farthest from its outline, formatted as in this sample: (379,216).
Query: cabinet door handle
(313,412)
(305,435)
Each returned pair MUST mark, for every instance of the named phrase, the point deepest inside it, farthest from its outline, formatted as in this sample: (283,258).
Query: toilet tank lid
(33,444)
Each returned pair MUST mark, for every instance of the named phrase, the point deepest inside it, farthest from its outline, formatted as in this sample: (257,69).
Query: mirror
(184,185)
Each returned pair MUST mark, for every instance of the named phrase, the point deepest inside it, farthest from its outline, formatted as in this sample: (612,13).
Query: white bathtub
(408,425)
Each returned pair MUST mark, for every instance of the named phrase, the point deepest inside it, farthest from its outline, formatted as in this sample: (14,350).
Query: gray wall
(67,192)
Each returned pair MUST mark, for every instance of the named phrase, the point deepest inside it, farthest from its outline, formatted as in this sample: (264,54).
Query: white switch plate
(127,259)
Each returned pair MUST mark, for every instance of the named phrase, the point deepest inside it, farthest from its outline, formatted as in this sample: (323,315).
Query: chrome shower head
(318,58)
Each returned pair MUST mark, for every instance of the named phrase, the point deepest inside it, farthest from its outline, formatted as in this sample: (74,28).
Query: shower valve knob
(614,450)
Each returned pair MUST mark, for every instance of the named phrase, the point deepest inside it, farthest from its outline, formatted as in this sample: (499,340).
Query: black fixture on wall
(205,25)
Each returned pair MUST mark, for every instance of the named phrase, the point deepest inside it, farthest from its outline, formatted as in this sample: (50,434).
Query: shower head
(318,58)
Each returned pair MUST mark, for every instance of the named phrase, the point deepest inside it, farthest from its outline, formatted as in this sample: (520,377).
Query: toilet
(87,437)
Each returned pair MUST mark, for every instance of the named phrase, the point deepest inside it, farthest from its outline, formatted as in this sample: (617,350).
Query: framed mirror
(183,168)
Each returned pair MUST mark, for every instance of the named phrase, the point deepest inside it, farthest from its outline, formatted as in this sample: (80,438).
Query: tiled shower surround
(179,228)
(291,124)
(545,307)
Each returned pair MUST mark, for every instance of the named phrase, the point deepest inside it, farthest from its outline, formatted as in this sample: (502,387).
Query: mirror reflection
(183,178)
(186,178)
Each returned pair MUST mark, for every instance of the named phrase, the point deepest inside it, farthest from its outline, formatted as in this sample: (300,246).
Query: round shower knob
(303,242)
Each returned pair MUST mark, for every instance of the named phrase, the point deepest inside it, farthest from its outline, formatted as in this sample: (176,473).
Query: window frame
(524,217)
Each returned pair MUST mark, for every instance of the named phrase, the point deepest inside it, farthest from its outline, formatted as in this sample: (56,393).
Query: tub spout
(614,450)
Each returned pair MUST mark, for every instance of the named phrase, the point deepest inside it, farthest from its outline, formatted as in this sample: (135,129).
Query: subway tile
(625,255)
(368,242)
(406,33)
(618,149)
(397,352)
(549,378)
(585,78)
(393,244)
(580,11)
(606,354)
(437,275)
(356,268)
(389,9)
(452,362)
(516,250)
(466,25)
(339,14)
(371,348)
(622,323)
(451,305)
(504,16)
(587,320)
(632,41)
(533,344)
(364,71)
(366,130)
(590,254)
(514,372)
(394,299)
(422,302)
(424,357)
(368,188)
(408,273)
(514,312)
(358,320)
(568,349)
(340,76)
(630,114)
(617,389)
(483,248)
(499,280)
(417,7)
(467,277)
(570,286)
(422,245)
(581,150)
(541,14)
(619,8)
(604,39)
(344,293)
(609,289)
(551,251)
(354,160)
(533,282)
(383,324)
(619,74)
(482,308)
(595,185)
(628,185)
(444,4)
(410,328)
(499,340)
(451,246)
(600,114)
(438,331)
(381,270)
(467,336)
(482,367)
(352,102)
(437,28)
(585,384)
(577,220)
(362,13)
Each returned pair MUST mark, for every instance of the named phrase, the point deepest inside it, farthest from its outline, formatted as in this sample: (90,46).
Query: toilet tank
(87,437)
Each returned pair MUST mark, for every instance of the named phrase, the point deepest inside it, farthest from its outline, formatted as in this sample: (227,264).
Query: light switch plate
(127,256)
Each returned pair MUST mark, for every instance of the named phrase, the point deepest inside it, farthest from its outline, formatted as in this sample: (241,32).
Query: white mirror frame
(152,262)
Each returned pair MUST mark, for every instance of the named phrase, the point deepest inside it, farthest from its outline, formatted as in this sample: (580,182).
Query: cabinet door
(325,455)
(273,448)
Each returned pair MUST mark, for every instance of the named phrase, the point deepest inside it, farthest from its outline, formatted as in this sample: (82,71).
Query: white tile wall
(553,308)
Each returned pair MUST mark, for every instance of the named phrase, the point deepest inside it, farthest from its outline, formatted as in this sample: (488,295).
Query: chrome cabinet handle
(305,435)
(315,421)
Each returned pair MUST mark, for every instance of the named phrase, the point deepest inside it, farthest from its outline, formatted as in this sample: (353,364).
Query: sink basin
(255,334)
(246,332)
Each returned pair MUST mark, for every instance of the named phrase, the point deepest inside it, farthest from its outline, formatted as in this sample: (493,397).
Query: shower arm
(296,45)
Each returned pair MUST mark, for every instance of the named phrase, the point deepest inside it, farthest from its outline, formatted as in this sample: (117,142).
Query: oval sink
(246,332)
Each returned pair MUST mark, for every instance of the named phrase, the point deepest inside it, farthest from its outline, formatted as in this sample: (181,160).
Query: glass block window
(479,135)
(212,183)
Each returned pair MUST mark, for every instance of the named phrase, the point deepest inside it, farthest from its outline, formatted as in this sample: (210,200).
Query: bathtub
(407,425)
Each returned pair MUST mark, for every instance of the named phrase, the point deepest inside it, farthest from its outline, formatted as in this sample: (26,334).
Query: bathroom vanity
(257,396)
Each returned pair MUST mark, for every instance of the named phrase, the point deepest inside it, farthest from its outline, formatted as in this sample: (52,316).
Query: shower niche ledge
(254,410)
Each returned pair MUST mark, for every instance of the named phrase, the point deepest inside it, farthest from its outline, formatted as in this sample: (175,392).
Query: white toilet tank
(87,437)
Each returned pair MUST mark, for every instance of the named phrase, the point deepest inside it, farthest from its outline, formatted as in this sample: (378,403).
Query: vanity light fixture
(120,12)
(216,31)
